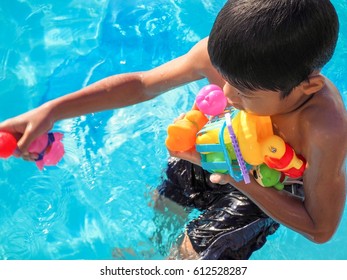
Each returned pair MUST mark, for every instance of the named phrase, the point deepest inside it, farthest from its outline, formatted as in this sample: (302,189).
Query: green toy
(219,157)
(268,177)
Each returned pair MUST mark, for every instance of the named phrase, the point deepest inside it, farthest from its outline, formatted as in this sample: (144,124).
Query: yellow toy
(228,143)
(257,143)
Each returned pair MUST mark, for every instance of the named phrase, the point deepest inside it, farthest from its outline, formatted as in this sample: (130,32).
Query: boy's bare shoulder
(200,58)
(325,118)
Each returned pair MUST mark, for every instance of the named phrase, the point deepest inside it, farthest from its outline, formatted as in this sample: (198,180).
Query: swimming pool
(97,203)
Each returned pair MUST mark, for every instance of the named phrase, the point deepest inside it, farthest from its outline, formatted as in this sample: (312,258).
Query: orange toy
(182,134)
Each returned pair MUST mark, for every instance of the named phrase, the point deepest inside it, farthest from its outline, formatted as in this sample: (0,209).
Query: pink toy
(49,148)
(211,100)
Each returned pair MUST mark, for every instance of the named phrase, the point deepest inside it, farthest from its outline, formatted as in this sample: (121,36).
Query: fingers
(26,128)
(180,117)
(220,179)
(24,142)
(21,150)
(195,107)
(191,155)
(30,156)
(23,145)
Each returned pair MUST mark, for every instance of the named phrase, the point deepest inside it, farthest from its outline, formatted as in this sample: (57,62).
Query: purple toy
(237,151)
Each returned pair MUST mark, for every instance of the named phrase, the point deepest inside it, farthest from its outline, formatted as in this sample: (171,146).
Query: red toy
(8,144)
(48,147)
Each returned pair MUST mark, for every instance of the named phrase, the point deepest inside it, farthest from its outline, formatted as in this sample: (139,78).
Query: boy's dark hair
(272,44)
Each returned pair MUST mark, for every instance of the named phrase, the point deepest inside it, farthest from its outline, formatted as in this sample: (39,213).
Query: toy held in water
(219,147)
(182,134)
(248,141)
(211,100)
(267,177)
(257,143)
(281,156)
(8,144)
(48,146)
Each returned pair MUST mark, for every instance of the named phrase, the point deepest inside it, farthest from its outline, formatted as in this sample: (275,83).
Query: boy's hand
(26,128)
(192,155)
(221,179)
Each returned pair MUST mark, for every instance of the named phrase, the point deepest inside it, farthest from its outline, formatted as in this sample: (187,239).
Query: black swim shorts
(230,226)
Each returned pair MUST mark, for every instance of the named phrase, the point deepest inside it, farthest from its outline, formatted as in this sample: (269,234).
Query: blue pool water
(97,203)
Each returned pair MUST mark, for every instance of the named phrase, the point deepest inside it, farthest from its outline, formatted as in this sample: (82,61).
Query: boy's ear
(313,84)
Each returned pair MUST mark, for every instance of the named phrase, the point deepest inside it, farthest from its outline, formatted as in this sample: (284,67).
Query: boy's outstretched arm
(110,93)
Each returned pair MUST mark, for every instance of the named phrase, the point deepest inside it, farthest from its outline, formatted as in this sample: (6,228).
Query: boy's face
(259,102)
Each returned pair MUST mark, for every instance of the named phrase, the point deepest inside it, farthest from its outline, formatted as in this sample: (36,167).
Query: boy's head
(272,44)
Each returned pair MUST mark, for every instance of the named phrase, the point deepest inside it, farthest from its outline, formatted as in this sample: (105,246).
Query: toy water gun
(282,157)
(233,141)
(48,146)
(267,177)
(219,147)
(259,145)
(182,134)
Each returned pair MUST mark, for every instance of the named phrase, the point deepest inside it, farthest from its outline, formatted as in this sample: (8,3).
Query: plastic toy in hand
(8,144)
(219,148)
(182,134)
(256,141)
(48,146)
(267,177)
(211,100)
(233,141)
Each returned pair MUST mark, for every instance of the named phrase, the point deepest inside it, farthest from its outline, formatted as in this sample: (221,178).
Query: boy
(267,56)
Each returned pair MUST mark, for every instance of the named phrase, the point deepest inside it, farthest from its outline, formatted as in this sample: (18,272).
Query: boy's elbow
(322,237)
